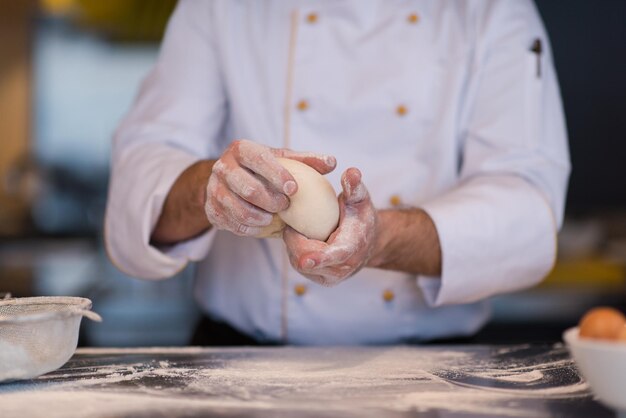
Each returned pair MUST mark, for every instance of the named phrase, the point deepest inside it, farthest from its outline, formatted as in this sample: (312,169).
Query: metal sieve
(39,334)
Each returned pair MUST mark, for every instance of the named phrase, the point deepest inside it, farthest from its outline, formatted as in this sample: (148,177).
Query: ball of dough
(313,210)
(602,323)
(273,230)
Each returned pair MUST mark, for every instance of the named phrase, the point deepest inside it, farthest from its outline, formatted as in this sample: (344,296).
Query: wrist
(183,216)
(407,240)
(198,186)
(383,248)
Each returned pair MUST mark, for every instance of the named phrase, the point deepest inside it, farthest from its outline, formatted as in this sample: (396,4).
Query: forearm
(183,216)
(407,240)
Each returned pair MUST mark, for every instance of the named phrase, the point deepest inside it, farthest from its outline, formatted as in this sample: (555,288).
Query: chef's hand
(348,248)
(247,185)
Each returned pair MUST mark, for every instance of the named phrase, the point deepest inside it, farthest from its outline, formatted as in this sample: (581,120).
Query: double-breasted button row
(303,105)
(300,290)
(401,110)
(312,18)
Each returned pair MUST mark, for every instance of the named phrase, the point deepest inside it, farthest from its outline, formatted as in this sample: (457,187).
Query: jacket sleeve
(176,120)
(498,226)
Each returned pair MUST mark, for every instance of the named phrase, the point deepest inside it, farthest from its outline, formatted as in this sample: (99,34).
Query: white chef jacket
(441,104)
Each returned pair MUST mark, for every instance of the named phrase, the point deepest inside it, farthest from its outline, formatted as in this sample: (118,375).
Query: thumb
(354,190)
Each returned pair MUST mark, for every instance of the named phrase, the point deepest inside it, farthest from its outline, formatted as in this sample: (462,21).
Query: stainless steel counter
(401,381)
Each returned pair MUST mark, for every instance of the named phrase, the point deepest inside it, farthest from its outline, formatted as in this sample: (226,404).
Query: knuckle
(213,215)
(219,168)
(240,216)
(244,146)
(236,144)
(250,193)
(257,159)
(266,155)
(246,230)
(251,217)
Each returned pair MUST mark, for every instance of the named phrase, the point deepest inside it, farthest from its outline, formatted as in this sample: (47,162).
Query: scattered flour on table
(146,350)
(399,379)
(523,377)
(470,401)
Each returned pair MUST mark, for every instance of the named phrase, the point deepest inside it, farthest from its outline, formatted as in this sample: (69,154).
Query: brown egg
(621,335)
(602,323)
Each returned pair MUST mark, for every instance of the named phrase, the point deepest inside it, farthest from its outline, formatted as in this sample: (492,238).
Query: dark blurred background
(69,69)
(589,42)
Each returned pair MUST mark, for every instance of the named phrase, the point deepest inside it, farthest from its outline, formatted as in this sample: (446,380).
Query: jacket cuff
(139,185)
(497,235)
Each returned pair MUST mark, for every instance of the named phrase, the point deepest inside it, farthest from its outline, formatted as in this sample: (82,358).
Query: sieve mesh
(38,335)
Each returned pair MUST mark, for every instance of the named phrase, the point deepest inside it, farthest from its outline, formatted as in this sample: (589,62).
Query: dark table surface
(395,381)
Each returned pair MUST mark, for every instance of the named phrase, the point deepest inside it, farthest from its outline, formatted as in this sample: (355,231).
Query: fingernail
(289,187)
(330,161)
(309,264)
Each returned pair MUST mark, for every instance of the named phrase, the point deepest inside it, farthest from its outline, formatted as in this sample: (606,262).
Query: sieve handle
(89,314)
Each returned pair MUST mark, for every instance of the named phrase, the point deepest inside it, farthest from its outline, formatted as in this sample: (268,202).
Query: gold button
(413,18)
(395,200)
(302,105)
(388,295)
(311,18)
(299,289)
(401,110)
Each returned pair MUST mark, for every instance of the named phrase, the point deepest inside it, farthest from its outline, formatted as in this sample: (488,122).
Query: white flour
(522,377)
(353,381)
(146,350)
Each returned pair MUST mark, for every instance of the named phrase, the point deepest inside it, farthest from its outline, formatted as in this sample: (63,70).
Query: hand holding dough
(248,186)
(348,248)
(313,210)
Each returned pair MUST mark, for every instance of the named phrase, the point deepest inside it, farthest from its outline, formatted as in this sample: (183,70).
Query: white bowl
(603,364)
